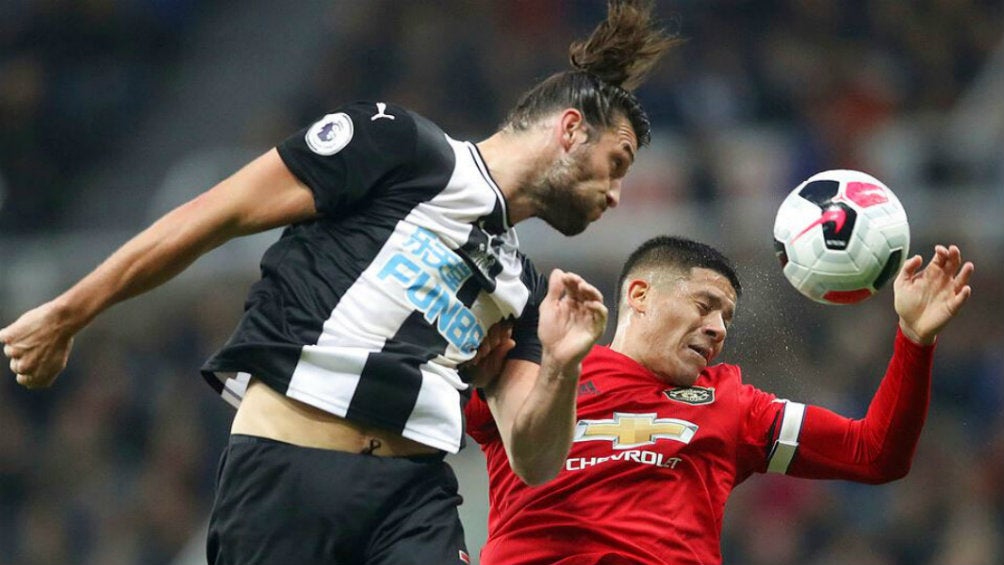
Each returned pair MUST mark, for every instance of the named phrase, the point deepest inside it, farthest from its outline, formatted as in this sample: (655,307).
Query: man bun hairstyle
(623,48)
(607,66)
(672,252)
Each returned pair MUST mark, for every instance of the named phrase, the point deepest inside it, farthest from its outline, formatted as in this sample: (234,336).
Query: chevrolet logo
(632,430)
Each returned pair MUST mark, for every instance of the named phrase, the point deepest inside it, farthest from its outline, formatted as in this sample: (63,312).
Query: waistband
(244,439)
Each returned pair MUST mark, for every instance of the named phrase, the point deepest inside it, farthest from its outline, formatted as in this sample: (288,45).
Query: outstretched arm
(262,195)
(880,447)
(534,405)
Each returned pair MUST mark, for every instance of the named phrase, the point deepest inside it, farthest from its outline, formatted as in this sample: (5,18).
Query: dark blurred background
(114,111)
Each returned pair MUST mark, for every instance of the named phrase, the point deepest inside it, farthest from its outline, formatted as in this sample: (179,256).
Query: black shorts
(280,504)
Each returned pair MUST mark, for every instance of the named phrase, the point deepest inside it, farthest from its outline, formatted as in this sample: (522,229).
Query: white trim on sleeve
(787,440)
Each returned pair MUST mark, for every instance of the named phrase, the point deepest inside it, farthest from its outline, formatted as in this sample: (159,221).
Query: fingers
(22,368)
(960,298)
(562,284)
(962,278)
(494,338)
(948,258)
(14,354)
(556,284)
(22,373)
(503,348)
(576,287)
(498,334)
(961,286)
(585,292)
(949,261)
(910,267)
(30,381)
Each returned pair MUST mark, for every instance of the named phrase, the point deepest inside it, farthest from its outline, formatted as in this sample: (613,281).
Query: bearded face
(571,196)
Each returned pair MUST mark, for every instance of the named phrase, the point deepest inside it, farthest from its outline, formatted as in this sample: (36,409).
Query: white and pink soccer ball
(840,236)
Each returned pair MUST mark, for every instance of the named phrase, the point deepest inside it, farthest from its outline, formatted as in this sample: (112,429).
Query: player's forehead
(713,280)
(620,136)
(703,282)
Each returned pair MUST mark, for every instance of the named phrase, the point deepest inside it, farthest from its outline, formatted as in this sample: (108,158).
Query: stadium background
(113,111)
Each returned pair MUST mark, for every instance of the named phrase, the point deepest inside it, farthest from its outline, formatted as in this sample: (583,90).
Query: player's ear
(571,128)
(637,294)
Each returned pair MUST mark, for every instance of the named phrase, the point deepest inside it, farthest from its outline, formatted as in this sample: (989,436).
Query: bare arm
(262,195)
(534,405)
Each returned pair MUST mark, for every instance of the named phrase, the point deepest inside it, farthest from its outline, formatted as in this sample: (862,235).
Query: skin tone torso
(267,413)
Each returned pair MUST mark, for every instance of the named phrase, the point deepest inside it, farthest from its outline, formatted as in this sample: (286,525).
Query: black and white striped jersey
(367,311)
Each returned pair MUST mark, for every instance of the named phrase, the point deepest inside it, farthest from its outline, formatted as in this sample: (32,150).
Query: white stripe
(787,440)
(436,419)
(483,168)
(327,377)
(234,388)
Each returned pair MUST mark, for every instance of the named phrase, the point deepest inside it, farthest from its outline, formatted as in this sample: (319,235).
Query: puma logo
(381,109)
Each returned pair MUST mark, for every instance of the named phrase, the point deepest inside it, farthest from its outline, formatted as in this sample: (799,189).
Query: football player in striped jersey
(397,257)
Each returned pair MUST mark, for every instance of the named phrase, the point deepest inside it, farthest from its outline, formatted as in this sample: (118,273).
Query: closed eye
(618,168)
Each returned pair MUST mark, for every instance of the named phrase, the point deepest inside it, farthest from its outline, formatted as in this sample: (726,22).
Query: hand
(38,346)
(927,299)
(572,318)
(490,357)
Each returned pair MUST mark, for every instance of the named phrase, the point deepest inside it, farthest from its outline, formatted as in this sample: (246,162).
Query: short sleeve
(528,347)
(348,154)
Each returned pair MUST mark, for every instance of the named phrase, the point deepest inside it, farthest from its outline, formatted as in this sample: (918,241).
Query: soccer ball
(840,236)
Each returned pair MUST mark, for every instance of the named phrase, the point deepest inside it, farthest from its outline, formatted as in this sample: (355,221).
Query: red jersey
(652,465)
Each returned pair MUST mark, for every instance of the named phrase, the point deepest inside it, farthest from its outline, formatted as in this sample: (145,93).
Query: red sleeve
(761,413)
(880,447)
(480,423)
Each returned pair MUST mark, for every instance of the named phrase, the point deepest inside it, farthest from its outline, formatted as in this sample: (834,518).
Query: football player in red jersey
(663,434)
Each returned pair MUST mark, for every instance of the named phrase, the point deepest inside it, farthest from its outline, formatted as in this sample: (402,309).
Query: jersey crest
(694,395)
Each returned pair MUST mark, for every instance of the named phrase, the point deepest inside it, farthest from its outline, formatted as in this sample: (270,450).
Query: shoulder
(725,379)
(390,116)
(723,373)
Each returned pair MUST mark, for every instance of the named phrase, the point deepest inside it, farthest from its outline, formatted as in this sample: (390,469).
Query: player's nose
(614,194)
(715,327)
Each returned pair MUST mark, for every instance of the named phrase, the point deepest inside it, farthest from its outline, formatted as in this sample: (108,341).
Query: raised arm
(260,196)
(534,405)
(880,447)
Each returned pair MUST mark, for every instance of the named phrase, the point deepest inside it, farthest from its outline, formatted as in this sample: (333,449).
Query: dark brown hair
(671,252)
(608,66)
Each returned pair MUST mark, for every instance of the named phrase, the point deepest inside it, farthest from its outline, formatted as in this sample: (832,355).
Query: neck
(620,342)
(515,160)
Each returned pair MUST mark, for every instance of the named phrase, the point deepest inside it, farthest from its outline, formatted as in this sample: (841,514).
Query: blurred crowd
(116,464)
(76,77)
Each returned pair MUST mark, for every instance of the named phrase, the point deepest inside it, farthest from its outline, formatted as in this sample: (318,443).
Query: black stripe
(772,435)
(469,291)
(391,379)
